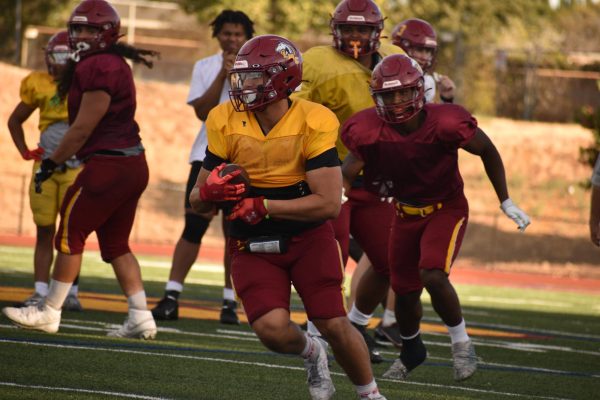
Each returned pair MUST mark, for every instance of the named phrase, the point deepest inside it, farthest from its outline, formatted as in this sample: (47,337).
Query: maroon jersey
(419,168)
(111,74)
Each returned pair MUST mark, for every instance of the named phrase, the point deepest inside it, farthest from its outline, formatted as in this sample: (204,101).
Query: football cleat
(39,317)
(373,353)
(166,309)
(397,371)
(139,324)
(72,304)
(228,314)
(34,300)
(464,360)
(412,355)
(372,396)
(319,380)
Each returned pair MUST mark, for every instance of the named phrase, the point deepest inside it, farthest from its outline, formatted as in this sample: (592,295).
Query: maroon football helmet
(357,12)
(267,68)
(57,52)
(101,15)
(413,34)
(398,88)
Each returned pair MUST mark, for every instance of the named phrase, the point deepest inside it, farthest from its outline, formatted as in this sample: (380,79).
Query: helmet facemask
(356,48)
(396,104)
(252,90)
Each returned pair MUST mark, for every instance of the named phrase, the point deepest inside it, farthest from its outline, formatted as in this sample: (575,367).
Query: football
(243,177)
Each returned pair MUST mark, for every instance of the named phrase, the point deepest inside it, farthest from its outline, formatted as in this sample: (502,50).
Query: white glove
(516,214)
(344,197)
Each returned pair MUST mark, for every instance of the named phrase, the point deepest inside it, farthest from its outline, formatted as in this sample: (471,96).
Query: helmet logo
(240,64)
(80,18)
(401,30)
(430,42)
(389,84)
(355,18)
(286,51)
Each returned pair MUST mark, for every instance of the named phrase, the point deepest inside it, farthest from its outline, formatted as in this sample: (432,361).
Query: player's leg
(317,276)
(185,253)
(439,247)
(229,308)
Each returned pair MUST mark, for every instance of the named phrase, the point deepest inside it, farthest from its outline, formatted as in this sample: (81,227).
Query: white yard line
(264,365)
(77,390)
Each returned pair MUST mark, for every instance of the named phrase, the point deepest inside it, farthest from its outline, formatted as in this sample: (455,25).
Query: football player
(104,197)
(409,150)
(338,76)
(38,90)
(419,40)
(280,235)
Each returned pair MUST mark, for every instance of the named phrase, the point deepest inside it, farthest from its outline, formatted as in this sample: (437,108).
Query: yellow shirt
(277,159)
(38,90)
(338,82)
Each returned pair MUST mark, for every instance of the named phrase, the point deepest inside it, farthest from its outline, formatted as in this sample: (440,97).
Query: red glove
(217,188)
(33,154)
(251,210)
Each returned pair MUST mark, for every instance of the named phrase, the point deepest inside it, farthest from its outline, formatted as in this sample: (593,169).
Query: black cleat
(166,310)
(228,314)
(373,353)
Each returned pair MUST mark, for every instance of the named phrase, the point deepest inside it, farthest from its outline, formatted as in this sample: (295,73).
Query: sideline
(462,273)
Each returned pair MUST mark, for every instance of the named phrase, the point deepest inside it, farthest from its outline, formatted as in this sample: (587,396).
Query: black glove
(44,172)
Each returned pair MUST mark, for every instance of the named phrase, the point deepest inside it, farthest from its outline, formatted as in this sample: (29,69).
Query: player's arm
(203,104)
(482,146)
(323,203)
(351,167)
(198,205)
(94,105)
(15,126)
(213,188)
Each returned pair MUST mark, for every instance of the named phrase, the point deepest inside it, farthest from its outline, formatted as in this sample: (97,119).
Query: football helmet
(413,34)
(267,68)
(57,52)
(356,12)
(98,14)
(397,87)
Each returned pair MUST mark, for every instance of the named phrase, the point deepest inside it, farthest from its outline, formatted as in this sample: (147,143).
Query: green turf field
(533,345)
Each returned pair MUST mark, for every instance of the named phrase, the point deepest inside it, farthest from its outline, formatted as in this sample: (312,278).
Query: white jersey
(204,74)
(429,88)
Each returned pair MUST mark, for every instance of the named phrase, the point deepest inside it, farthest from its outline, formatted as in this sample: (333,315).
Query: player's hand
(228,61)
(44,172)
(217,188)
(35,154)
(447,88)
(516,214)
(251,210)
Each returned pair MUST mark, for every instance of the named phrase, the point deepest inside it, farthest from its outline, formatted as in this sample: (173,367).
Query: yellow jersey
(279,158)
(38,90)
(338,82)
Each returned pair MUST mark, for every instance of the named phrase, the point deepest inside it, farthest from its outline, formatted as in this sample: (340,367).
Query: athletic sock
(458,333)
(228,294)
(389,318)
(365,390)
(41,288)
(413,351)
(137,301)
(57,293)
(310,348)
(356,316)
(174,286)
(74,291)
(311,329)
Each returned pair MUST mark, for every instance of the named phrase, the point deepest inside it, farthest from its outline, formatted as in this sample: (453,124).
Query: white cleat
(139,324)
(464,360)
(372,396)
(38,317)
(397,371)
(319,380)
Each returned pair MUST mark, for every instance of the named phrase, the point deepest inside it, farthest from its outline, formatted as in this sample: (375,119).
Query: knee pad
(195,228)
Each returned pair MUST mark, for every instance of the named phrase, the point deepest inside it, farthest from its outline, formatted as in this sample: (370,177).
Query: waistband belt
(420,211)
